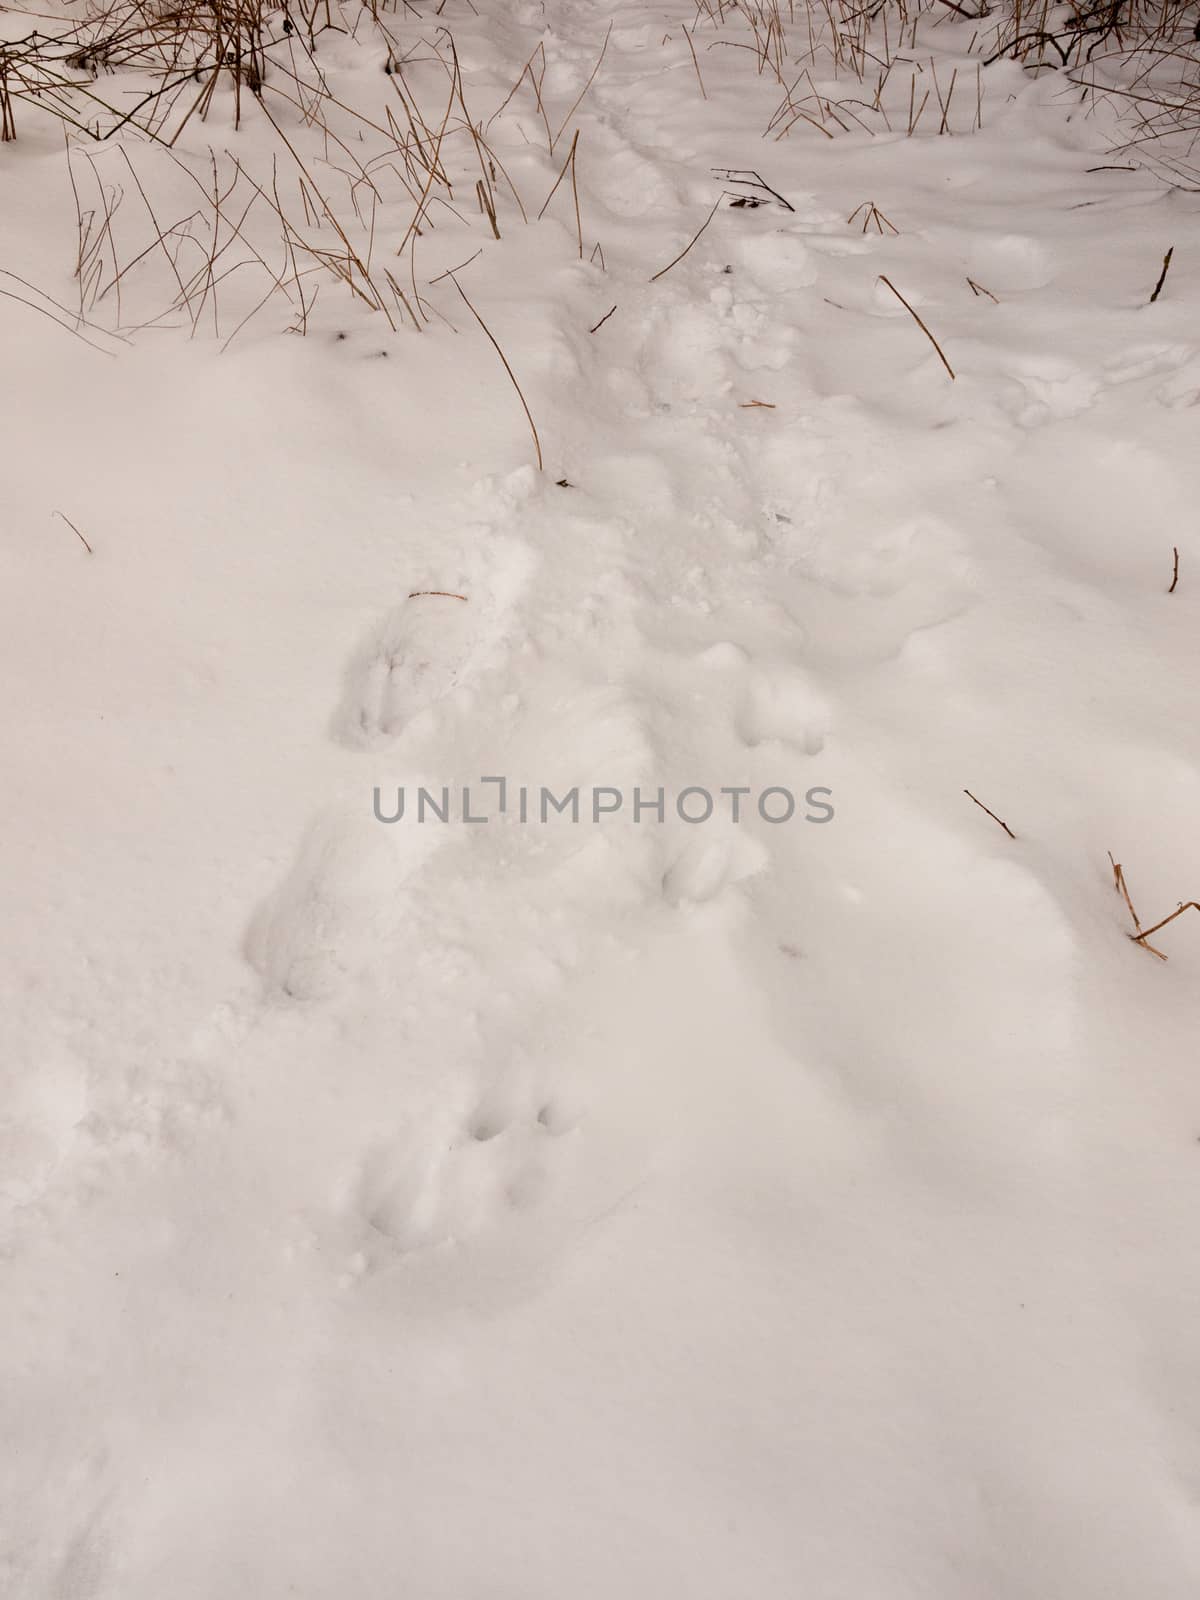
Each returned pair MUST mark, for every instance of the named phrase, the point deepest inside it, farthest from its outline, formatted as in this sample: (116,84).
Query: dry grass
(1141,935)
(177,228)
(924,329)
(871,214)
(841,66)
(349,193)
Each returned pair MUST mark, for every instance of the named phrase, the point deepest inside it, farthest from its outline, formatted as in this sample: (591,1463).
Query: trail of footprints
(357,889)
(446,1173)
(1041,389)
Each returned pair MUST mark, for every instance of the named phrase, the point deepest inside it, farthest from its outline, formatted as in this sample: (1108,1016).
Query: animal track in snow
(1100,527)
(1009,261)
(1146,361)
(454,1178)
(685,351)
(436,641)
(1045,389)
(705,863)
(422,651)
(628,184)
(46,1111)
(775,262)
(921,550)
(1181,390)
(345,891)
(780,702)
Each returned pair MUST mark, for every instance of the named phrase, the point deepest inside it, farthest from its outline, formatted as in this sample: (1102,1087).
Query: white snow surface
(568,1212)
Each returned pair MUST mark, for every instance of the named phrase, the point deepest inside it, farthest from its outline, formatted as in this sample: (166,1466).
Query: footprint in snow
(776,262)
(44,1117)
(780,702)
(708,862)
(345,894)
(453,1178)
(1181,390)
(1009,262)
(1147,361)
(921,552)
(1044,389)
(437,641)
(418,656)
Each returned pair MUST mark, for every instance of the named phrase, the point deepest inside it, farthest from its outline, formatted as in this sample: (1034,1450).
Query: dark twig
(750,179)
(990,813)
(569,162)
(664,270)
(1162,277)
(450,271)
(602,321)
(442,594)
(923,329)
(1187,905)
(1119,880)
(695,63)
(1175,574)
(76,532)
(584,90)
(537,443)
(871,213)
(1138,937)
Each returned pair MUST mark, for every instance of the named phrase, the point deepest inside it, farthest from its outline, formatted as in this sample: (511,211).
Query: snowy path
(623,1209)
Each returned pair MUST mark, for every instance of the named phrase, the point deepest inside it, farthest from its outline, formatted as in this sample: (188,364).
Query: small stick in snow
(568,163)
(750,179)
(873,215)
(977,289)
(757,405)
(1119,881)
(945,108)
(695,63)
(912,95)
(602,321)
(664,270)
(584,90)
(537,443)
(450,271)
(33,306)
(1140,936)
(442,594)
(921,325)
(991,814)
(76,532)
(1162,277)
(1175,575)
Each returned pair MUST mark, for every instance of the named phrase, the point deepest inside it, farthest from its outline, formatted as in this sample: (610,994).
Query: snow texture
(565,1212)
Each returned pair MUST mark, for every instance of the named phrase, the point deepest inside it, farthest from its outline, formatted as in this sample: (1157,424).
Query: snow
(540,1209)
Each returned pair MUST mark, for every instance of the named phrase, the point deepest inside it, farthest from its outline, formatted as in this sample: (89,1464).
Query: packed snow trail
(621,1208)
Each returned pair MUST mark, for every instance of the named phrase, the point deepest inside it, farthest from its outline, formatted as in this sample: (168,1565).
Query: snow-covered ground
(569,1211)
